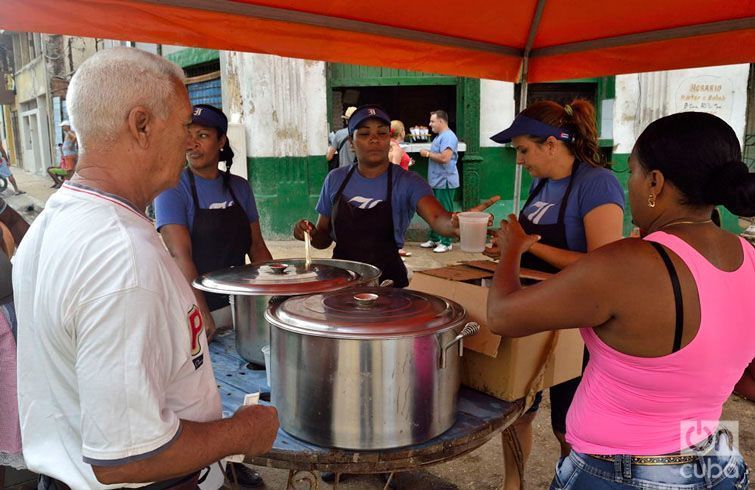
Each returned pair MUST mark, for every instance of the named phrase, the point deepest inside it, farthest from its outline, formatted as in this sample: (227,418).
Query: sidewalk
(37,190)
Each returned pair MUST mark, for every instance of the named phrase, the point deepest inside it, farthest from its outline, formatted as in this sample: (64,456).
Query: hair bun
(732,185)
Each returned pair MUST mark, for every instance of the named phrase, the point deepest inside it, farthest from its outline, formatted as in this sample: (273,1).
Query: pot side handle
(469,329)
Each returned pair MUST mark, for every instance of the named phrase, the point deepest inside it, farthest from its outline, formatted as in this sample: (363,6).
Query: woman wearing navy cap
(366,207)
(575,205)
(209,221)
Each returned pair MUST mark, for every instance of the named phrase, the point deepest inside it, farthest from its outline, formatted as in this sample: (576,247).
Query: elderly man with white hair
(116,386)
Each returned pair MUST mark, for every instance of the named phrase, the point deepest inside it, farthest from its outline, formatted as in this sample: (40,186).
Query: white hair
(111,83)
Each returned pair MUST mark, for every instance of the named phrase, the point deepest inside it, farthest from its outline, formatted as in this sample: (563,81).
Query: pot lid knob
(278,268)
(365,300)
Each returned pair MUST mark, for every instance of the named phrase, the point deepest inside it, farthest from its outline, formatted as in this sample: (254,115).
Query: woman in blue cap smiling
(575,205)
(209,221)
(366,207)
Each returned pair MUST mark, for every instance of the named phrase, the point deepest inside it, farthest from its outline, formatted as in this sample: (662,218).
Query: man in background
(340,145)
(442,174)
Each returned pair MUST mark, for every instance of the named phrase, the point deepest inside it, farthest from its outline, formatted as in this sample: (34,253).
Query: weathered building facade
(281,112)
(39,67)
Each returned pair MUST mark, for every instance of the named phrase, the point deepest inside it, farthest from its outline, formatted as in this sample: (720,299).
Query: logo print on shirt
(220,205)
(540,209)
(365,202)
(195,330)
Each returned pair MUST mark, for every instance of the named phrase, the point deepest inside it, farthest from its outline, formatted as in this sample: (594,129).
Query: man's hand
(264,420)
(424,153)
(251,431)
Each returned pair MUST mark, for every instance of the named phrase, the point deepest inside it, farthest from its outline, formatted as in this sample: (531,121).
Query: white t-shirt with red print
(111,349)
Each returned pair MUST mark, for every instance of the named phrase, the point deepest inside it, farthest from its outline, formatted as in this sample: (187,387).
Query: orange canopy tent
(512,40)
(559,39)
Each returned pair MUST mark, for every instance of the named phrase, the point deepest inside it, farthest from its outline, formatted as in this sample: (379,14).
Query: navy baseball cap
(210,116)
(366,112)
(526,126)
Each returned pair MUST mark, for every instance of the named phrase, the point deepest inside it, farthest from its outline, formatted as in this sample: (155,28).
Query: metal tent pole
(518,168)
(523,92)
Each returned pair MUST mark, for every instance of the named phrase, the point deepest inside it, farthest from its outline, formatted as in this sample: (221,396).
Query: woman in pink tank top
(669,320)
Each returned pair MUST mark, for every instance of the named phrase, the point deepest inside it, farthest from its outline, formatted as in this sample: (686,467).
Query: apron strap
(564,201)
(534,192)
(389,197)
(226,183)
(541,184)
(193,186)
(345,181)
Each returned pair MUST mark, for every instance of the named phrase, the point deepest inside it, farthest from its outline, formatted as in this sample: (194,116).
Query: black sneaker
(245,476)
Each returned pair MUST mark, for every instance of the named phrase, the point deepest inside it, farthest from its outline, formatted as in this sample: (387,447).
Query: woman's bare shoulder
(626,257)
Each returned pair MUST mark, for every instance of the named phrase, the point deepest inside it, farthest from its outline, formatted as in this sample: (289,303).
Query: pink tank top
(652,406)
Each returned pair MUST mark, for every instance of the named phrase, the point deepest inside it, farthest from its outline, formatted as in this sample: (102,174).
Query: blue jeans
(721,468)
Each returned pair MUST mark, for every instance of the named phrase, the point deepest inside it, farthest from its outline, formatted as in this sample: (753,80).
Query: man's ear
(140,125)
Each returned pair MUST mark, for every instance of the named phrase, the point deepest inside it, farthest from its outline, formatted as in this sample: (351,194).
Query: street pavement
(481,469)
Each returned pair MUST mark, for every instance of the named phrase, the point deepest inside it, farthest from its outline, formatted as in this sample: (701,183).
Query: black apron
(553,234)
(220,238)
(367,235)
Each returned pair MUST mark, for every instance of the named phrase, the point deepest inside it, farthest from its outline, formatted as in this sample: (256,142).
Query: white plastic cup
(473,231)
(266,353)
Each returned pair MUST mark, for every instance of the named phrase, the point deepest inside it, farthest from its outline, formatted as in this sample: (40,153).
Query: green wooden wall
(286,190)
(193,56)
(343,75)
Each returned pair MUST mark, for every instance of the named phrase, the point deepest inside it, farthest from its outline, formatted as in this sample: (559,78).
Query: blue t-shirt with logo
(176,206)
(444,176)
(593,187)
(361,192)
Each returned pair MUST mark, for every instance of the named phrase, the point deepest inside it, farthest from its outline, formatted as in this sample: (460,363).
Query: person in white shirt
(115,382)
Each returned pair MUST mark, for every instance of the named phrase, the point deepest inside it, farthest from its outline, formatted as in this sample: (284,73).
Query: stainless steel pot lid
(366,313)
(287,277)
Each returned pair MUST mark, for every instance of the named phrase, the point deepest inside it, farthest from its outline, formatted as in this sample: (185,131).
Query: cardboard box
(502,367)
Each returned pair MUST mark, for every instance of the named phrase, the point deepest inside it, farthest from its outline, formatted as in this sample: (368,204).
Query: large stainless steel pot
(366,368)
(253,287)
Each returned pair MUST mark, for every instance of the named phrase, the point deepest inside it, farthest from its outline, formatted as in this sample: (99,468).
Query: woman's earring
(651,201)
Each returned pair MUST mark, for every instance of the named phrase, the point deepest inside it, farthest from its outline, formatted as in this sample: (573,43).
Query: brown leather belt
(651,460)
